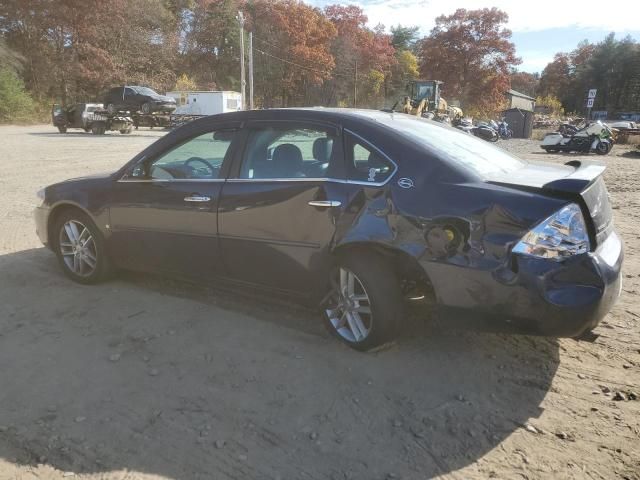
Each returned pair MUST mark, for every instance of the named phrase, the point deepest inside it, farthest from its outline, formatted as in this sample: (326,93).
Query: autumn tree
(525,82)
(355,45)
(294,41)
(472,53)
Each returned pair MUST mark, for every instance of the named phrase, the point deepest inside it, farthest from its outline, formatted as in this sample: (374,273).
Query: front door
(278,212)
(163,213)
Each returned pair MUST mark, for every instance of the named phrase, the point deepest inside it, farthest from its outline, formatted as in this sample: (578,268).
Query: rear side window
(280,152)
(366,163)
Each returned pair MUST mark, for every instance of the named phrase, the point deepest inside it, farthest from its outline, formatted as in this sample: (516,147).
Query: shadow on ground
(142,375)
(112,134)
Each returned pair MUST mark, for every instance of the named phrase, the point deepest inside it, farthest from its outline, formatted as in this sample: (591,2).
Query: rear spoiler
(586,172)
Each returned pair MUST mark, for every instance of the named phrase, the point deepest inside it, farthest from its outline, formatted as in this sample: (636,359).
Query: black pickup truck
(90,117)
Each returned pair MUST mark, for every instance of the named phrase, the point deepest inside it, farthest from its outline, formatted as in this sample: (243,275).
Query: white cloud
(524,16)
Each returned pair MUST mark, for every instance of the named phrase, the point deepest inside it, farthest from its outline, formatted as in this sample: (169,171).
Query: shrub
(16,105)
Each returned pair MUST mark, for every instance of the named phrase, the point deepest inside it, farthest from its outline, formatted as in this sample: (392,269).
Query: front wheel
(146,108)
(365,305)
(80,248)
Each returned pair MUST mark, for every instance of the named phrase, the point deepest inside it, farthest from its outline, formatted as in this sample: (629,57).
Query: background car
(137,99)
(355,211)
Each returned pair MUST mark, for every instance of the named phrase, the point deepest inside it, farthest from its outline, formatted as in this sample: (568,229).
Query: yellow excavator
(423,100)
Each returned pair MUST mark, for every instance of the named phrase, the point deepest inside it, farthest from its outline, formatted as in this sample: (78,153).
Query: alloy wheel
(78,248)
(349,309)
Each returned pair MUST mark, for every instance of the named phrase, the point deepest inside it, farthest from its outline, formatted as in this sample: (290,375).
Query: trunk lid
(580,180)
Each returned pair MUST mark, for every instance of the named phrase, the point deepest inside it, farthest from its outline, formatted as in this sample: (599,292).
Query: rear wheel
(62,129)
(365,304)
(603,148)
(79,247)
(146,108)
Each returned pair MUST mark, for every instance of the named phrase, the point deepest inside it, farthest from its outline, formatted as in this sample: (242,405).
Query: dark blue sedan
(355,211)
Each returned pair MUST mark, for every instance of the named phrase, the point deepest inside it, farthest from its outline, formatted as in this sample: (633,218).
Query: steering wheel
(210,167)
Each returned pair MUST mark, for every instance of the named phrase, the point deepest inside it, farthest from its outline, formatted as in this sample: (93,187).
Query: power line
(322,72)
(311,69)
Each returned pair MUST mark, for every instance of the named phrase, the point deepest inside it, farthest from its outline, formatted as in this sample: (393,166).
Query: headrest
(287,160)
(322,149)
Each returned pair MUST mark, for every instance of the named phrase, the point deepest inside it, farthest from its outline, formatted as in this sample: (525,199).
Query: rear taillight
(561,235)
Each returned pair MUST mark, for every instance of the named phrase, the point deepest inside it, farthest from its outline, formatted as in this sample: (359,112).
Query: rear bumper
(536,296)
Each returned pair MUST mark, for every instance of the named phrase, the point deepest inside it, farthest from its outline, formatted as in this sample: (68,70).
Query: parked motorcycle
(486,132)
(594,137)
(483,130)
(503,130)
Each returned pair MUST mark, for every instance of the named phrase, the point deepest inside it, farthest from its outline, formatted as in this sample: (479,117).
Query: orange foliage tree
(472,53)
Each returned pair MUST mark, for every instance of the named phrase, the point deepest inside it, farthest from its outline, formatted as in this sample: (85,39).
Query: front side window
(288,153)
(199,158)
(365,163)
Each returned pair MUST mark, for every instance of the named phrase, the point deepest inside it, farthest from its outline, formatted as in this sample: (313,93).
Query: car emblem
(405,183)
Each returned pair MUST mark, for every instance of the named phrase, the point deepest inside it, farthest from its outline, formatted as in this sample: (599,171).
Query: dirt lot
(145,378)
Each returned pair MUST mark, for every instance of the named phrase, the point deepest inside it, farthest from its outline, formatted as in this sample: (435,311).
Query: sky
(540,28)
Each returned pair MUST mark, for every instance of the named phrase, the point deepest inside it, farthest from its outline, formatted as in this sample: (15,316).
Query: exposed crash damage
(355,211)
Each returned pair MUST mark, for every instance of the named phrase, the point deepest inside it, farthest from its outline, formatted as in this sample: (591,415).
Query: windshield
(455,146)
(144,91)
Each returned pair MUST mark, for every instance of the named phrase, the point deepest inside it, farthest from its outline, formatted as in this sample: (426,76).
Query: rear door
(163,213)
(278,211)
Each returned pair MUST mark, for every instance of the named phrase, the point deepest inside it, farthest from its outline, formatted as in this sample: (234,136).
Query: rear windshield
(454,146)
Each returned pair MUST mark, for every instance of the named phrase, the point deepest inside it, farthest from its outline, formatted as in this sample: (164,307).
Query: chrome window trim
(169,180)
(296,179)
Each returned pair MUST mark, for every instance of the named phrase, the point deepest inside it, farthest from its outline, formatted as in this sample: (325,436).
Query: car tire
(363,284)
(80,248)
(124,131)
(98,128)
(146,108)
(111,108)
(62,129)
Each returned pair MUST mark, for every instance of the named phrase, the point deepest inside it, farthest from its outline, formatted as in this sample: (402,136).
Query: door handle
(197,198)
(325,203)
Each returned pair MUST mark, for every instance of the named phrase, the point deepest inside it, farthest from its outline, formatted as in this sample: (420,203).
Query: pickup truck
(90,117)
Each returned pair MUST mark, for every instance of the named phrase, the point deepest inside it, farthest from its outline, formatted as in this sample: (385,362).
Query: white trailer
(195,103)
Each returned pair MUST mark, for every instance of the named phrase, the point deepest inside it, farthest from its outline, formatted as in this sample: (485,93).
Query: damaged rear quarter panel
(460,234)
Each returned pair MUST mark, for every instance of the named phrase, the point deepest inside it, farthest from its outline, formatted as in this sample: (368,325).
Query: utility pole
(355,87)
(251,70)
(242,79)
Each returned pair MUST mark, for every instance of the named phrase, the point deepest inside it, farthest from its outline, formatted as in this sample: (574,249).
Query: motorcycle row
(591,137)
(490,131)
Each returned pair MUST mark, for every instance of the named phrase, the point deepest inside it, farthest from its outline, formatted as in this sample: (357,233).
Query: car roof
(334,115)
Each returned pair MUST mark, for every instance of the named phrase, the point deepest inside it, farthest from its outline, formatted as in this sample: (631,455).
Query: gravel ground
(146,378)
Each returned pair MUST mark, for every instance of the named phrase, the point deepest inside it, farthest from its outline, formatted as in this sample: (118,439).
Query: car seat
(287,161)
